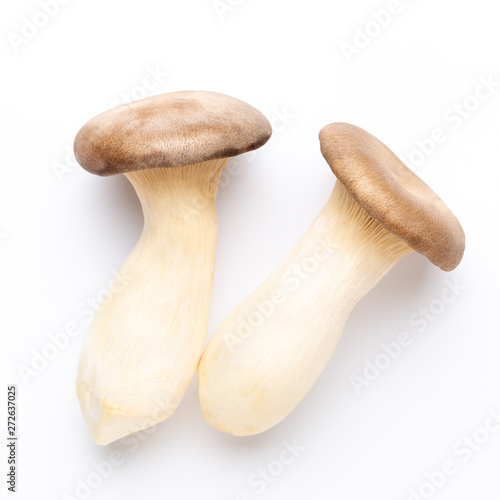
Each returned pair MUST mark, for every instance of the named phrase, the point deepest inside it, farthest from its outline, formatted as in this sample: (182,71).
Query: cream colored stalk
(143,346)
(268,353)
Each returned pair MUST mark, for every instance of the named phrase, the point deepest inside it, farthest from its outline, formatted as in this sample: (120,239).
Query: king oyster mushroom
(143,346)
(272,348)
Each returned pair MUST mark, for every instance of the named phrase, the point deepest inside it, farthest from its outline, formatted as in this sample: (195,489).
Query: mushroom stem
(144,344)
(271,349)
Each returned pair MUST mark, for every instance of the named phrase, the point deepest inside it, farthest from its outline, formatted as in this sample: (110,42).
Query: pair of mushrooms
(144,346)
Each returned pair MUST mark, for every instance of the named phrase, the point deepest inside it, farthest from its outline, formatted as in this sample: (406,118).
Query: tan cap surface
(392,194)
(170,130)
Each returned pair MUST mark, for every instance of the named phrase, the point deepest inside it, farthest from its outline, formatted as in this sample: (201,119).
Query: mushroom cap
(392,194)
(170,130)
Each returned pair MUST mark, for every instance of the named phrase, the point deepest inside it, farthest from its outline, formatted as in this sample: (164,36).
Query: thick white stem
(271,349)
(143,346)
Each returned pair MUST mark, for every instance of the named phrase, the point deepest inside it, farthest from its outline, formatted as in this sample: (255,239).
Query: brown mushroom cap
(170,130)
(392,194)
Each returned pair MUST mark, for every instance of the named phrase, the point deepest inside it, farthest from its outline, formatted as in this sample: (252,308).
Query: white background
(63,236)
